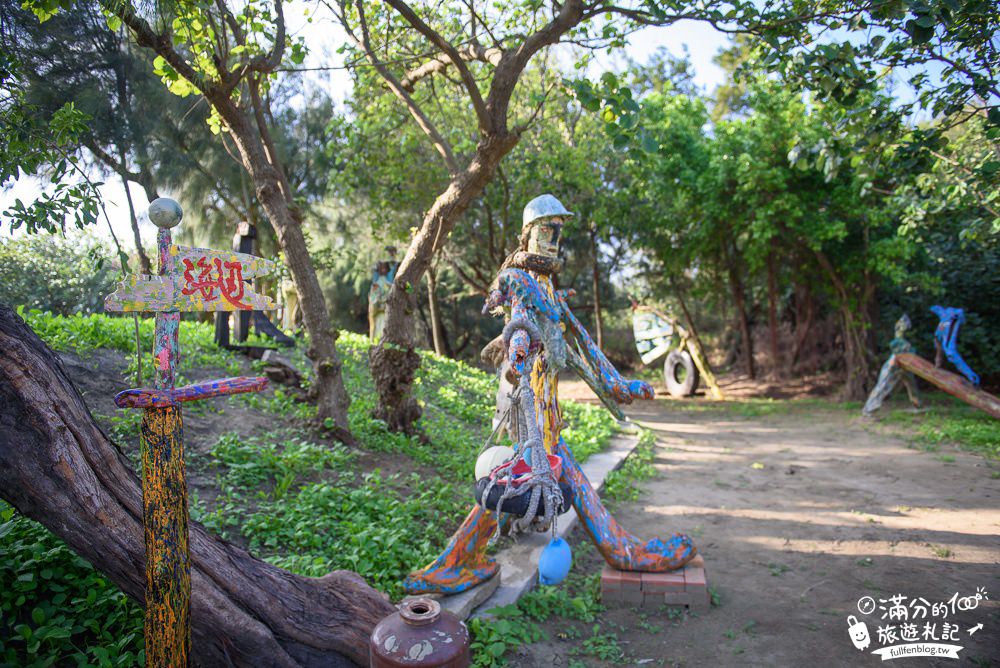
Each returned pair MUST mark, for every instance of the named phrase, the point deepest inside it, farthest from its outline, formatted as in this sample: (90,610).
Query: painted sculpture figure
(892,373)
(541,327)
(946,340)
(383,275)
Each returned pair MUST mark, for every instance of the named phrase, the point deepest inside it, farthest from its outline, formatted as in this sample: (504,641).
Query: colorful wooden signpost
(190,279)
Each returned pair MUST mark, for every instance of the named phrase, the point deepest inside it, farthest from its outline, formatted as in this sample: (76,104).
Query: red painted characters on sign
(214,274)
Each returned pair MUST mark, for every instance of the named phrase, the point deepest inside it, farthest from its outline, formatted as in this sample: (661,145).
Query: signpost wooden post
(190,279)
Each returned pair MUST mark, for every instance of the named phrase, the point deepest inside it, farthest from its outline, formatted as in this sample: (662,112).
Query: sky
(323,37)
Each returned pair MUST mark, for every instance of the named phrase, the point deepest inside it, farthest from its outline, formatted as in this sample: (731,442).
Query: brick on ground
(685,587)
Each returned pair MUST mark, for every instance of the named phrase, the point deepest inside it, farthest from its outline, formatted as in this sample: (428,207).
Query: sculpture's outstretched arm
(622,390)
(579,365)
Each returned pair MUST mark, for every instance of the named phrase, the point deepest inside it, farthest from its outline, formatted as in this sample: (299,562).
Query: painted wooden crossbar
(951,383)
(152,398)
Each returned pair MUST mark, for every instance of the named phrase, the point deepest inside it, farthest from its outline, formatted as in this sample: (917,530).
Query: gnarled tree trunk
(854,305)
(246,120)
(58,467)
(274,196)
(393,361)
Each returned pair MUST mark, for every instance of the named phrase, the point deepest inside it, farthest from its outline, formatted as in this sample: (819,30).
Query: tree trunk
(855,323)
(393,361)
(332,398)
(739,301)
(855,357)
(145,266)
(57,467)
(805,308)
(772,311)
(432,305)
(598,322)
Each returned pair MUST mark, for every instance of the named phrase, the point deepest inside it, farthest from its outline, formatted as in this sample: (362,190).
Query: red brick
(632,596)
(658,583)
(677,598)
(631,580)
(652,600)
(611,596)
(697,562)
(695,577)
(611,575)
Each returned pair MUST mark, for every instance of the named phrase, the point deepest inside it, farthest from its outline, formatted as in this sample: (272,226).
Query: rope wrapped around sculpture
(541,482)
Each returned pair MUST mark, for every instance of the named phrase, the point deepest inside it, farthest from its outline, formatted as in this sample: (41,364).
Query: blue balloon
(555,562)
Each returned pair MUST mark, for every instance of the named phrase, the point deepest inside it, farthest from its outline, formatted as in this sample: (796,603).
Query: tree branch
(115,165)
(440,143)
(513,62)
(469,52)
(449,49)
(270,62)
(160,43)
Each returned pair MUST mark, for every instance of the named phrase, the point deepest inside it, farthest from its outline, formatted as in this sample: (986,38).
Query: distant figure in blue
(946,340)
(383,274)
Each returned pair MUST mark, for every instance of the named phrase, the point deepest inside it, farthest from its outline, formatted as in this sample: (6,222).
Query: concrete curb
(519,562)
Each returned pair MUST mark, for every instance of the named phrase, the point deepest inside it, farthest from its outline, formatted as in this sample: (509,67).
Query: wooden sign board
(201,280)
(653,335)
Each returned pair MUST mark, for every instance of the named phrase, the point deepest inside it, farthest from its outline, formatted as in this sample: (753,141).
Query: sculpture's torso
(548,364)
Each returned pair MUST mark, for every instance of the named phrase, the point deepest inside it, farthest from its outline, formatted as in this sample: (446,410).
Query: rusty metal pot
(420,635)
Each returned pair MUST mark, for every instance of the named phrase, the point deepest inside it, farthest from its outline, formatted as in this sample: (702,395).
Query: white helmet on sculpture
(543,206)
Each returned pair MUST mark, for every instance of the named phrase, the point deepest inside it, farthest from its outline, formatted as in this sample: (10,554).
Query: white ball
(165,213)
(492,458)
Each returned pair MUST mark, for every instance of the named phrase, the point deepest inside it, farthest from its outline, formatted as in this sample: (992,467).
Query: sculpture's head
(543,221)
(902,325)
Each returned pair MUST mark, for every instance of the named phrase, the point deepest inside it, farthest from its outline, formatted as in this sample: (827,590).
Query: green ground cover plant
(55,609)
(950,422)
(289,494)
(512,626)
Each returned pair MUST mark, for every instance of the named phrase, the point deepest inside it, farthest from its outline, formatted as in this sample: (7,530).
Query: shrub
(54,273)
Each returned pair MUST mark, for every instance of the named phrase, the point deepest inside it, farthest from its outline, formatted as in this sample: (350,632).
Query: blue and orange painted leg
(620,548)
(463,563)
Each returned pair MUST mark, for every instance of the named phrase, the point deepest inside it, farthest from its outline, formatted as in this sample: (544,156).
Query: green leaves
(33,144)
(618,110)
(298,51)
(46,9)
(55,608)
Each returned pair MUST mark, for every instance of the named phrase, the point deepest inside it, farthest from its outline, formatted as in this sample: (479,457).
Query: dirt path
(837,511)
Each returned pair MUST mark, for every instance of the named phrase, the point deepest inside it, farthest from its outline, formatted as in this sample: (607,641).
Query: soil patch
(798,516)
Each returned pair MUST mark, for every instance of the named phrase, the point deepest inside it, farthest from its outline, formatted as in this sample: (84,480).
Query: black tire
(518,505)
(680,374)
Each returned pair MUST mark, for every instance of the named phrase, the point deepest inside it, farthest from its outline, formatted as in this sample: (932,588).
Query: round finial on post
(165,213)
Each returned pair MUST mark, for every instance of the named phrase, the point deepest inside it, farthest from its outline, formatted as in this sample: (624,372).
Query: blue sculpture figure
(946,340)
(892,374)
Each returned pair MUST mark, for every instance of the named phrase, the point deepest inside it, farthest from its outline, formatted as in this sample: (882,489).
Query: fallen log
(951,383)
(59,468)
